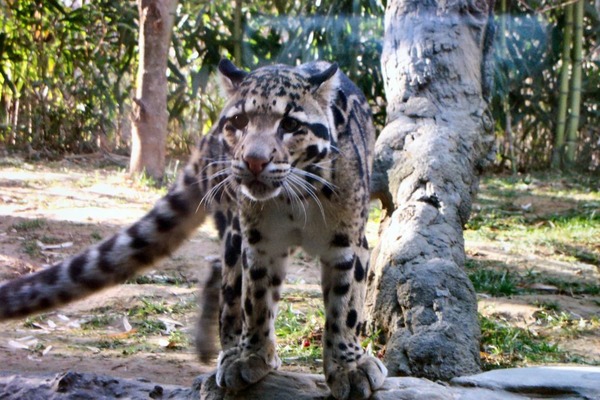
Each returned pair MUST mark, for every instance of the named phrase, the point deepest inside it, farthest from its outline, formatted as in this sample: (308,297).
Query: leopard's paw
(237,370)
(357,380)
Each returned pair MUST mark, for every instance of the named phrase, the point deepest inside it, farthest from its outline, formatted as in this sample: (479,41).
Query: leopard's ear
(230,76)
(319,78)
(325,83)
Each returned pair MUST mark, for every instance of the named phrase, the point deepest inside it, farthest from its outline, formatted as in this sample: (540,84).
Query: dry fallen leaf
(543,287)
(44,246)
(126,325)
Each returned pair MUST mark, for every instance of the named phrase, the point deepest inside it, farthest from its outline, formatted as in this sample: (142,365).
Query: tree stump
(438,138)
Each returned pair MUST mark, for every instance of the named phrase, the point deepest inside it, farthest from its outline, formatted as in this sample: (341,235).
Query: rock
(510,384)
(78,386)
(423,389)
(565,382)
(277,386)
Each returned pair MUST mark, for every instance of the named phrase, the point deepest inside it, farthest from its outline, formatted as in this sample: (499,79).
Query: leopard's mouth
(259,191)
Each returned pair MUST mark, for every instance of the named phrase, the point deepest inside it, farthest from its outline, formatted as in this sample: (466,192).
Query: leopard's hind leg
(220,304)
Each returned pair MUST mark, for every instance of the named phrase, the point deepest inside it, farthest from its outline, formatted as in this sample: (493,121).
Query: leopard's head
(278,128)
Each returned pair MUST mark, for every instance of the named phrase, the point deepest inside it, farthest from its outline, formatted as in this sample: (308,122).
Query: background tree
(64,75)
(436,140)
(79,100)
(528,77)
(573,123)
(150,115)
(561,119)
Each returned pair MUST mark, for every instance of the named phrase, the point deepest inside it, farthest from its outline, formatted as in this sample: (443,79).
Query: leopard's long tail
(207,328)
(114,260)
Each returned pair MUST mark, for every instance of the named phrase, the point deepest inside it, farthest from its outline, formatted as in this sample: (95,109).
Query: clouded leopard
(287,165)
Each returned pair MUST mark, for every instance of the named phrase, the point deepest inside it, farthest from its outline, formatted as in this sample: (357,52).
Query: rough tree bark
(437,139)
(149,134)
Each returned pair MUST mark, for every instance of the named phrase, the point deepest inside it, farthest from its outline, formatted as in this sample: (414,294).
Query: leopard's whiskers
(315,177)
(208,198)
(290,189)
(308,188)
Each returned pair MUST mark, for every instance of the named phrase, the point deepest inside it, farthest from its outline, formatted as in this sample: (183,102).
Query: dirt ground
(49,212)
(79,205)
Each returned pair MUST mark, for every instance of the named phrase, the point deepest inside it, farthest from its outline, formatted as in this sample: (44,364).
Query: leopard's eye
(289,124)
(239,121)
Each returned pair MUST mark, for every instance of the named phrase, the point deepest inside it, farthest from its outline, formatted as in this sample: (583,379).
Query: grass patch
(51,239)
(574,252)
(300,333)
(177,340)
(151,306)
(29,225)
(29,241)
(142,318)
(549,215)
(31,248)
(506,346)
(565,324)
(110,344)
(97,321)
(147,332)
(31,322)
(500,280)
(149,327)
(6,161)
(126,348)
(493,282)
(571,288)
(95,236)
(548,305)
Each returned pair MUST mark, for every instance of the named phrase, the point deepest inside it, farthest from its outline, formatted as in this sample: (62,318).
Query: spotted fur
(287,165)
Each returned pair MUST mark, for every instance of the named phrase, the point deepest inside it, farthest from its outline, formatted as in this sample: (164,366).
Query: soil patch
(50,212)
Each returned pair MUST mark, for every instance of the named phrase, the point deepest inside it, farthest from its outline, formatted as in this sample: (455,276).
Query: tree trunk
(150,117)
(237,33)
(508,132)
(439,135)
(573,125)
(559,137)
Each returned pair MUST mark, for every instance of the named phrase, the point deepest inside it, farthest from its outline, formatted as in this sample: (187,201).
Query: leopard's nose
(256,165)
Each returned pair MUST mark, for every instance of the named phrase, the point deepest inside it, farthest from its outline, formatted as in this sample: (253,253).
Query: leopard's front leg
(350,373)
(263,271)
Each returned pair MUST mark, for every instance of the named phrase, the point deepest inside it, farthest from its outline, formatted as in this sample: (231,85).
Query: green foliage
(177,340)
(29,225)
(149,330)
(347,32)
(504,345)
(493,282)
(551,215)
(528,63)
(151,307)
(64,73)
(67,73)
(97,321)
(299,333)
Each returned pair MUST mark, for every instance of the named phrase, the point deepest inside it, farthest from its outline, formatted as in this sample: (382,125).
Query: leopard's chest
(283,224)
